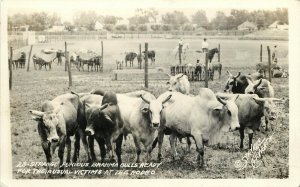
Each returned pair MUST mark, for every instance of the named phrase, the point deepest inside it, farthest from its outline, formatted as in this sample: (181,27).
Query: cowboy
(205,45)
(274,54)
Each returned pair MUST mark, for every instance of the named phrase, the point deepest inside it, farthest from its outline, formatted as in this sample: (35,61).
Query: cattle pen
(219,160)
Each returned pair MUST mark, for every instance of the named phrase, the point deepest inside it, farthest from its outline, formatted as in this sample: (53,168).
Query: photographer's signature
(255,153)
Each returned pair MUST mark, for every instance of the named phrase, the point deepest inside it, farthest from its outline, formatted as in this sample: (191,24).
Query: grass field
(30,89)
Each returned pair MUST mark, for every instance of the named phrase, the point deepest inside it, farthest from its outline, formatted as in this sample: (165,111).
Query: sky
(66,9)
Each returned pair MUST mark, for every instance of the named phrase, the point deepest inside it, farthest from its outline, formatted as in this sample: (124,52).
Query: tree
(239,17)
(176,18)
(143,16)
(111,20)
(86,19)
(220,21)
(200,19)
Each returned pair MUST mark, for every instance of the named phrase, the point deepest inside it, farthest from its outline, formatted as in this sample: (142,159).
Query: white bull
(202,118)
(179,83)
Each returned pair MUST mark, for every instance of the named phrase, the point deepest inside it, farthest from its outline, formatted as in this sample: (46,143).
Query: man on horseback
(205,45)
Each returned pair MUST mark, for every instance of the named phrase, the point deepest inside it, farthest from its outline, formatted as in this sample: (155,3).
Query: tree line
(175,20)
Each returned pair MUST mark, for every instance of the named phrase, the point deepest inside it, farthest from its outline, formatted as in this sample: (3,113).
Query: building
(98,26)
(247,25)
(279,25)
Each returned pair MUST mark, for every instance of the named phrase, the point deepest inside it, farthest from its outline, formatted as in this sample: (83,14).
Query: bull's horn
(179,76)
(167,99)
(146,101)
(229,73)
(249,81)
(36,113)
(103,106)
(221,100)
(75,93)
(235,98)
(169,75)
(256,85)
(237,75)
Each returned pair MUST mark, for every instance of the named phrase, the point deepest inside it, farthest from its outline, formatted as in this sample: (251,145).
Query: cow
(179,83)
(140,112)
(251,109)
(130,57)
(151,55)
(41,62)
(190,71)
(263,67)
(261,87)
(119,64)
(57,122)
(236,84)
(202,118)
(104,122)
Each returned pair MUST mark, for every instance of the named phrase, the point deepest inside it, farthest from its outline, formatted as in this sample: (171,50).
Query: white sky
(125,8)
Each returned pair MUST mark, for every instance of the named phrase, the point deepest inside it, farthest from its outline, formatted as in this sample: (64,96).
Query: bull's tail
(154,143)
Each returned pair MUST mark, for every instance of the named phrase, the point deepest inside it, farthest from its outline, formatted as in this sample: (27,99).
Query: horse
(184,49)
(211,53)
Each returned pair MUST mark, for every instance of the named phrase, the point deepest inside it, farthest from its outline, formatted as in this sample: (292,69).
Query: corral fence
(99,35)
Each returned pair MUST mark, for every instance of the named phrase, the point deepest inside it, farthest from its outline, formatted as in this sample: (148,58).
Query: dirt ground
(31,88)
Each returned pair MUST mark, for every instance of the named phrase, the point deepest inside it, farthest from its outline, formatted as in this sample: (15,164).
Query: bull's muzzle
(53,139)
(155,125)
(234,128)
(89,132)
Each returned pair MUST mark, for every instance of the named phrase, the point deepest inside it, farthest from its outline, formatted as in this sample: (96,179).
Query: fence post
(179,53)
(269,62)
(206,70)
(260,52)
(29,57)
(10,68)
(66,56)
(146,65)
(69,69)
(140,47)
(101,67)
(219,53)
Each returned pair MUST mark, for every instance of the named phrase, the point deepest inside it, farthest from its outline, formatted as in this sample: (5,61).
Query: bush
(108,27)
(166,27)
(132,28)
(121,28)
(142,28)
(155,27)
(188,27)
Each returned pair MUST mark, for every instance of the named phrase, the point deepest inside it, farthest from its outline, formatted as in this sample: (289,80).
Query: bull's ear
(36,115)
(217,110)
(145,110)
(180,76)
(259,101)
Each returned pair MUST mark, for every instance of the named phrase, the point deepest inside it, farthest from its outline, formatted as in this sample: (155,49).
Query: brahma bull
(199,117)
(239,83)
(251,109)
(130,57)
(105,124)
(140,112)
(57,121)
(263,67)
(179,83)
(261,87)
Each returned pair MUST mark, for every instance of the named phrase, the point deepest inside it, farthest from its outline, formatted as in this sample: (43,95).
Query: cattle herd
(247,103)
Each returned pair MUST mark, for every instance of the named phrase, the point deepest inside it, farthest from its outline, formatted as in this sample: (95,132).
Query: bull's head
(229,113)
(50,121)
(252,88)
(231,81)
(174,82)
(95,115)
(155,109)
(269,107)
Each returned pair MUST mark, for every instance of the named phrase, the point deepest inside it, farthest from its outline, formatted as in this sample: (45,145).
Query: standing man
(274,54)
(180,43)
(205,45)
